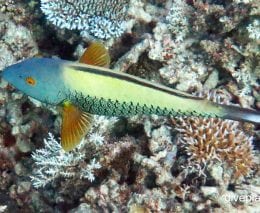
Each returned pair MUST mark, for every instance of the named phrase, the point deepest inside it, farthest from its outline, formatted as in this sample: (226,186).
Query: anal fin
(75,125)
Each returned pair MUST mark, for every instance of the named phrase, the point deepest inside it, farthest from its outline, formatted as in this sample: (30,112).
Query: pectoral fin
(75,125)
(96,54)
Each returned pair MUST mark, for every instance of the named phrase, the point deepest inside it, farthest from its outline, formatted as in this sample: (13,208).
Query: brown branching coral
(210,140)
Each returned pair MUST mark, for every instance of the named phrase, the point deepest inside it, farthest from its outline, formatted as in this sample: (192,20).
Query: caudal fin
(241,114)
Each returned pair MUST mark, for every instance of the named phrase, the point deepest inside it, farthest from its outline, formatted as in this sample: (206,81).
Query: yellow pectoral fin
(75,125)
(96,54)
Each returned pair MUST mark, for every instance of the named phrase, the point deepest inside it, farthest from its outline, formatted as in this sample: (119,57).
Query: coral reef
(253,30)
(16,42)
(209,48)
(101,19)
(212,140)
(168,44)
(52,162)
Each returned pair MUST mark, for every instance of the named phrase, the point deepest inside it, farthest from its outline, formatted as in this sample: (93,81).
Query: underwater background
(142,163)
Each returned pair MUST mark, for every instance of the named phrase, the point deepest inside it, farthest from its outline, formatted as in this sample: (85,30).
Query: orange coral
(209,139)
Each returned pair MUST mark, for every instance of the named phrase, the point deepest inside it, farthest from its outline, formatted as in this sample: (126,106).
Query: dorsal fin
(96,54)
(75,125)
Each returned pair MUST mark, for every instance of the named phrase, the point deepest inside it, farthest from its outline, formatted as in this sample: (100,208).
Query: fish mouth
(10,71)
(4,74)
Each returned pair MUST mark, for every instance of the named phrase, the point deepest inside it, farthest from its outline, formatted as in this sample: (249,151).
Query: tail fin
(240,114)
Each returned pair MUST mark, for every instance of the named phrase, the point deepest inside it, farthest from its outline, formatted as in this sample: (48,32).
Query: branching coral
(52,162)
(211,140)
(100,129)
(254,30)
(100,18)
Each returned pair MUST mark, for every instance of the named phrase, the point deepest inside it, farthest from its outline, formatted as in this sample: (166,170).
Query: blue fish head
(39,78)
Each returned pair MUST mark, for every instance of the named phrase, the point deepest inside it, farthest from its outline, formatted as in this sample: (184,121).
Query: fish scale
(101,106)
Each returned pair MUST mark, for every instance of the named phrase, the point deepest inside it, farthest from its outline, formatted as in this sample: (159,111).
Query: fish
(87,87)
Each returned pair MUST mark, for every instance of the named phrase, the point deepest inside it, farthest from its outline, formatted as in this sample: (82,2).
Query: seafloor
(143,163)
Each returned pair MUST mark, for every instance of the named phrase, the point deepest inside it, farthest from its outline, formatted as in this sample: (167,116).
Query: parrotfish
(89,87)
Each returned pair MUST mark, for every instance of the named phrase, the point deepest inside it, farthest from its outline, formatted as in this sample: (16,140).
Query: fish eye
(30,80)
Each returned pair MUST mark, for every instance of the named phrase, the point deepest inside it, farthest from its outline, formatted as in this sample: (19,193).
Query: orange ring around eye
(31,81)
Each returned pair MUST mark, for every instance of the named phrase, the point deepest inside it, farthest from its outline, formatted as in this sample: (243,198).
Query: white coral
(87,172)
(254,30)
(53,162)
(3,208)
(243,1)
(96,138)
(103,19)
